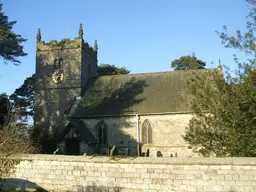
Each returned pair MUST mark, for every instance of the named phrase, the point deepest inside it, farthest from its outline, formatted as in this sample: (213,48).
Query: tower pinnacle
(38,36)
(80,33)
(95,46)
(220,65)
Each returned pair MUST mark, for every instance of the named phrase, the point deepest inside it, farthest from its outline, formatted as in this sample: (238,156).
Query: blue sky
(142,35)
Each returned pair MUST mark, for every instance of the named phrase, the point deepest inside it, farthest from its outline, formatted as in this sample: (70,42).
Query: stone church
(89,114)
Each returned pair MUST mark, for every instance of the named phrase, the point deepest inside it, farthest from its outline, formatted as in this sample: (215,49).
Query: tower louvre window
(58,64)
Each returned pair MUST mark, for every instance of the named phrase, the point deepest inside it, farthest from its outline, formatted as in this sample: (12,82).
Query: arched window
(60,63)
(102,132)
(146,132)
(56,64)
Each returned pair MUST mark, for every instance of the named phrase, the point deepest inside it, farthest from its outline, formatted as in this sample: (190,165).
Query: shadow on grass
(22,185)
(97,188)
(13,184)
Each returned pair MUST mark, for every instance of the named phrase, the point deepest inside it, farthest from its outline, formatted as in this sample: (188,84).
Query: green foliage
(107,69)
(53,42)
(224,122)
(188,62)
(3,95)
(63,42)
(23,99)
(10,43)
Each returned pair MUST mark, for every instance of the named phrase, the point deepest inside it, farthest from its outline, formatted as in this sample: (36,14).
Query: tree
(107,69)
(4,109)
(14,139)
(23,99)
(224,122)
(10,42)
(188,62)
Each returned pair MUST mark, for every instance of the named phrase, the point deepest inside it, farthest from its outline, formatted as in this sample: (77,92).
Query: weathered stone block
(130,170)
(131,175)
(213,188)
(217,177)
(76,173)
(123,180)
(145,175)
(154,186)
(226,167)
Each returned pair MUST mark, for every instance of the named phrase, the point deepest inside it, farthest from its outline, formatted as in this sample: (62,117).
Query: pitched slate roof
(136,94)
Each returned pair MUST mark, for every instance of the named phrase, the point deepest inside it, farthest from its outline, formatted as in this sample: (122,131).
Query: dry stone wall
(137,174)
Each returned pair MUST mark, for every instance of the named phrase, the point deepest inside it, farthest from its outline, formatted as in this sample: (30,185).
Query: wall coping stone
(137,160)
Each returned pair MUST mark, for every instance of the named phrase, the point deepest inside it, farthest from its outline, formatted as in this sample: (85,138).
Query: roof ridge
(160,72)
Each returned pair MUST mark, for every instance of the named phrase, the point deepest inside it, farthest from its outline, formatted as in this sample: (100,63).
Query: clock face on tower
(57,76)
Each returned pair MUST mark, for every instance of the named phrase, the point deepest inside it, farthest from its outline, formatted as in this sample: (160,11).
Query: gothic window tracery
(146,132)
(71,133)
(102,132)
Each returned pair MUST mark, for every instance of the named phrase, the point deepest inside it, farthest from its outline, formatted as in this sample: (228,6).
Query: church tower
(62,71)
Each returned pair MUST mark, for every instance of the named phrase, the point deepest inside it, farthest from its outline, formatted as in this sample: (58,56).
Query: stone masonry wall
(167,131)
(137,174)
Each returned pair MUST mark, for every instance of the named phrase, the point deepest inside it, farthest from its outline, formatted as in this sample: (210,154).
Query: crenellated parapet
(77,42)
(63,44)
(90,50)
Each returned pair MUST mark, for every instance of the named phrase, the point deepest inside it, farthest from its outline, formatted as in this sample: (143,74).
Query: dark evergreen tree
(23,100)
(10,42)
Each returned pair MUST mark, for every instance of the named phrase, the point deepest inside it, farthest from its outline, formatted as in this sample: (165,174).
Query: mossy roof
(146,93)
